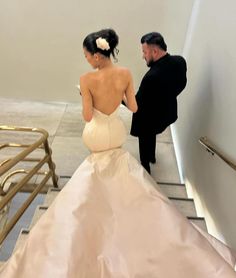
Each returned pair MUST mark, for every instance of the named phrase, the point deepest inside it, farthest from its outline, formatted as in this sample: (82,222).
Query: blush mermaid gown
(110,222)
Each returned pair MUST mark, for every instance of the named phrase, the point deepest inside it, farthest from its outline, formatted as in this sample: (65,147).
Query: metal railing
(8,190)
(214,150)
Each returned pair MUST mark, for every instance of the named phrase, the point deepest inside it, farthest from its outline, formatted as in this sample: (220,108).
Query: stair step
(199,221)
(21,239)
(63,180)
(29,187)
(40,210)
(186,206)
(173,189)
(51,195)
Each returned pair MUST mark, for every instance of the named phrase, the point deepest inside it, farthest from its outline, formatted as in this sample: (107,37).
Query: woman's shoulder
(123,71)
(87,77)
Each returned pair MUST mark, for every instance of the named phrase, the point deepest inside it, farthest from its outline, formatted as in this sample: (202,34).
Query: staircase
(178,195)
(175,191)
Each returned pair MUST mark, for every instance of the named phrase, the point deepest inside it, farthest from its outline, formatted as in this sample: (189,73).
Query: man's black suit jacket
(157,95)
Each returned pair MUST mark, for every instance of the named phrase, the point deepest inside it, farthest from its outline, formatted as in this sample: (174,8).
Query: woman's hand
(78,87)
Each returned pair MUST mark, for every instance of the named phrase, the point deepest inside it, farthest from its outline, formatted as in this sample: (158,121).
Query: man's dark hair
(154,38)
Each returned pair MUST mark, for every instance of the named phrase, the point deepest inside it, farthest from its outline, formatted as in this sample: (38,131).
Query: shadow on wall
(195,119)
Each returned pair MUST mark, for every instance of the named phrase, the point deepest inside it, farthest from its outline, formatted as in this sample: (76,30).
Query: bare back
(108,87)
(105,89)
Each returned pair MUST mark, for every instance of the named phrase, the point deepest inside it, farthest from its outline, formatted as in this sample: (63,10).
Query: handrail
(7,171)
(214,150)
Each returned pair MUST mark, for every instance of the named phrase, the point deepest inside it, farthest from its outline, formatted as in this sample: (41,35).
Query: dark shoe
(147,167)
(153,161)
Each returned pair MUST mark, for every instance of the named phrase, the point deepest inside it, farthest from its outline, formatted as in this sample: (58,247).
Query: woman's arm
(129,97)
(87,101)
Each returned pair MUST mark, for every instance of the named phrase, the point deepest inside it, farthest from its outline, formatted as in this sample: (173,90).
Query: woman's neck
(105,63)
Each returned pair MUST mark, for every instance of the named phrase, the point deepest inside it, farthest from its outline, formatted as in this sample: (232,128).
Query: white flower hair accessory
(102,44)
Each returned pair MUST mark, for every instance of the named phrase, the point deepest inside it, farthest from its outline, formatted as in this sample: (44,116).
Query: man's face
(148,53)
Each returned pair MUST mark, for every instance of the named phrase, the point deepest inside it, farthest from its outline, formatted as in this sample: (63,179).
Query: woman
(109,220)
(103,90)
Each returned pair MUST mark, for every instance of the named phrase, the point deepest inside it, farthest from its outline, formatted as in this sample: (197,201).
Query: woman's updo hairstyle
(107,36)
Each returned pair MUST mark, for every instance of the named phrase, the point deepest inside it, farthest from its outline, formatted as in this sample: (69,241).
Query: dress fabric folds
(111,220)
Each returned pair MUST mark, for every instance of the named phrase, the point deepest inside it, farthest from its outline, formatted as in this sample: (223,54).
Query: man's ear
(156,50)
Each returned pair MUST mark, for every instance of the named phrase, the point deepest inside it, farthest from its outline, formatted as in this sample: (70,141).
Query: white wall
(41,41)
(207,108)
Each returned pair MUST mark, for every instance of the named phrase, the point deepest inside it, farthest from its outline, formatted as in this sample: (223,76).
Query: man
(157,95)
